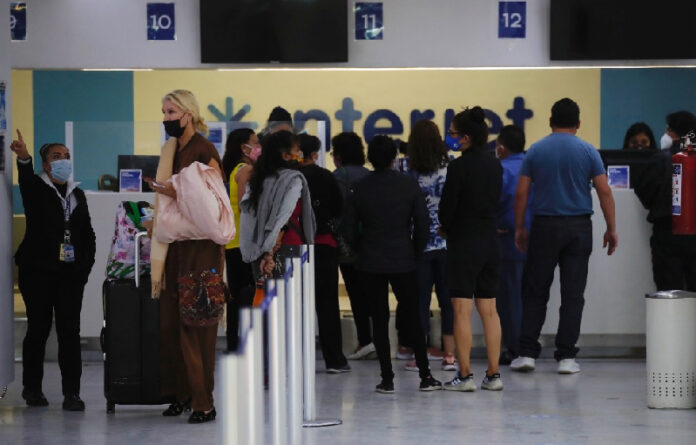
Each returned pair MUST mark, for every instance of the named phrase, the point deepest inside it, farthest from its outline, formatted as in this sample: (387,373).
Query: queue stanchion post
(277,360)
(309,341)
(308,334)
(255,370)
(293,285)
(241,384)
(229,386)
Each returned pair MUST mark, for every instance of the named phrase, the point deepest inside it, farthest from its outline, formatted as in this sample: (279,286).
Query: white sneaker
(568,366)
(523,364)
(459,383)
(362,352)
(492,383)
(403,353)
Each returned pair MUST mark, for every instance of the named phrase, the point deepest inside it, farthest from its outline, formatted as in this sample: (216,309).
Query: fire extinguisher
(684,188)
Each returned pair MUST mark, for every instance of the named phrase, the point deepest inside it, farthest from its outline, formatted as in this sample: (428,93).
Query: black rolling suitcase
(130,342)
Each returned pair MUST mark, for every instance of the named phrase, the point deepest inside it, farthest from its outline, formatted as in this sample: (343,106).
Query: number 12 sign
(512,20)
(369,23)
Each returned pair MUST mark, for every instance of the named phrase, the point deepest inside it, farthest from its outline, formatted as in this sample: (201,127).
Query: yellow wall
(22,110)
(398,90)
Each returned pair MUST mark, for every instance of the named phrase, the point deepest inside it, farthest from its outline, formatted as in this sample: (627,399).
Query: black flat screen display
(622,29)
(285,31)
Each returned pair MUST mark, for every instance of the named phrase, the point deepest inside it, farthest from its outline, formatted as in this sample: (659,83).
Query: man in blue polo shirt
(561,167)
(509,148)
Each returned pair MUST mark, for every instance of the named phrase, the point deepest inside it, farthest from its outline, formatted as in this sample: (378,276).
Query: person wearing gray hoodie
(276,210)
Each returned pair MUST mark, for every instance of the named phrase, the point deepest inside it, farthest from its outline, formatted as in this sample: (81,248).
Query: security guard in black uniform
(54,261)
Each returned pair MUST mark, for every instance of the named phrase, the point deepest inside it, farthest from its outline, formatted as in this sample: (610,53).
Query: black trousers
(328,313)
(44,294)
(566,242)
(359,302)
(240,281)
(405,287)
(673,260)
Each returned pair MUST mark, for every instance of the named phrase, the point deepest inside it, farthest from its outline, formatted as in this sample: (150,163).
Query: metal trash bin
(671,349)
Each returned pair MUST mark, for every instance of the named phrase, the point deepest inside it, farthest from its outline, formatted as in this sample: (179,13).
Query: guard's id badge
(67,253)
(67,250)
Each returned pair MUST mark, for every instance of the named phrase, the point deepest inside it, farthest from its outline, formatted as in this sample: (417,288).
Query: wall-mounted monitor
(622,29)
(283,31)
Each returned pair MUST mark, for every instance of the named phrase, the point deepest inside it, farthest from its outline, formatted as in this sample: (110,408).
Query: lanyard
(66,217)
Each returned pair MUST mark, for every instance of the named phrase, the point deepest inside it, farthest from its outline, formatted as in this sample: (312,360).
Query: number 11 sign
(512,20)
(369,23)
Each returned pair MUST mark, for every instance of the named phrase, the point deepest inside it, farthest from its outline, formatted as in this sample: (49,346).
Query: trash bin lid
(671,294)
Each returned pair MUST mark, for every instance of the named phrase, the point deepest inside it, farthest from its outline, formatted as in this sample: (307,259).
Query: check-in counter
(616,284)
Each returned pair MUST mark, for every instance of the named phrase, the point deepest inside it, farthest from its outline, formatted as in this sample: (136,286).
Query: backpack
(121,261)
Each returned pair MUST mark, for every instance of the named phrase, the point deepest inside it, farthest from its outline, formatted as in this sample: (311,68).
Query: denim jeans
(509,303)
(566,242)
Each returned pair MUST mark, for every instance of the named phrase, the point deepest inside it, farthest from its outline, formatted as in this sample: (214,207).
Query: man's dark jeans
(566,242)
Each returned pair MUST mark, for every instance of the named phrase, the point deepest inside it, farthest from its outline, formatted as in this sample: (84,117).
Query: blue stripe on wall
(17,207)
(643,95)
(101,106)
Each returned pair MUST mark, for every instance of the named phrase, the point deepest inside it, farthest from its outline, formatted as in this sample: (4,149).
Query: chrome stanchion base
(321,422)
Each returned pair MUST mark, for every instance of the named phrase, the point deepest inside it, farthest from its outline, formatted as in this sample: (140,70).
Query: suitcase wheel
(110,407)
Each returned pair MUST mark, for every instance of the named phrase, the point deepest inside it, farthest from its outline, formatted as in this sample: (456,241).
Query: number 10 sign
(369,24)
(512,20)
(160,21)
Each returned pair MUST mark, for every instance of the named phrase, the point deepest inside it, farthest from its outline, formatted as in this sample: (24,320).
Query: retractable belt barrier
(290,305)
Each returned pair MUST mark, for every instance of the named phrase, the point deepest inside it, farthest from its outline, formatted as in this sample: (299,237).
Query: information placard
(369,21)
(217,134)
(160,21)
(618,176)
(131,180)
(512,20)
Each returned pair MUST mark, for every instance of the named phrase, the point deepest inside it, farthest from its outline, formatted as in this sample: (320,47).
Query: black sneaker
(430,384)
(72,402)
(202,417)
(34,398)
(177,408)
(338,369)
(506,358)
(385,387)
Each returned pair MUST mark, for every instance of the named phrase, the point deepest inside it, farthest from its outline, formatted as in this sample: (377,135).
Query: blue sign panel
(18,21)
(512,20)
(160,21)
(369,23)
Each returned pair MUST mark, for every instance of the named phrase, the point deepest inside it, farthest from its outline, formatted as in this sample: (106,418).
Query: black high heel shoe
(202,417)
(176,408)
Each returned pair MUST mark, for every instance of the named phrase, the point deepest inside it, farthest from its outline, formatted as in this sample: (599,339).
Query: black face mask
(173,128)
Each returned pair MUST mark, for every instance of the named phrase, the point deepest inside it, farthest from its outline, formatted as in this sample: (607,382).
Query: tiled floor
(605,403)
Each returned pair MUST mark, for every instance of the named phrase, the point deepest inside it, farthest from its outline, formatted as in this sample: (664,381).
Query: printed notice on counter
(618,176)
(131,180)
(217,134)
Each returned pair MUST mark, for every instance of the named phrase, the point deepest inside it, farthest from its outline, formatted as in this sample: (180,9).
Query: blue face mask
(452,142)
(61,170)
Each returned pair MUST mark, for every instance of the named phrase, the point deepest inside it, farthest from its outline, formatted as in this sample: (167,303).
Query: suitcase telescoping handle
(137,256)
